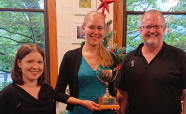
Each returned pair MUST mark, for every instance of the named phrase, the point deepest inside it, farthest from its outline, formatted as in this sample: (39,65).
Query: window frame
(120,19)
(126,13)
(47,31)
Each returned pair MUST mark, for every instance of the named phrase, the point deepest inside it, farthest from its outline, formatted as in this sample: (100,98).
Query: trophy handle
(98,76)
(115,69)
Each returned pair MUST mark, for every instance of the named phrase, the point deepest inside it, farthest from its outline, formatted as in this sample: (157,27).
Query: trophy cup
(107,101)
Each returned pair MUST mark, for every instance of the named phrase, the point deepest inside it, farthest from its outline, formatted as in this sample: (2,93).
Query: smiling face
(94,30)
(153,37)
(32,66)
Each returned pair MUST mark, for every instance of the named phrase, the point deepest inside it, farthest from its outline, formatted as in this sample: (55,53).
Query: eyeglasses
(150,27)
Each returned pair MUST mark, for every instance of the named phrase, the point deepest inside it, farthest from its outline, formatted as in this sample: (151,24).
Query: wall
(64,27)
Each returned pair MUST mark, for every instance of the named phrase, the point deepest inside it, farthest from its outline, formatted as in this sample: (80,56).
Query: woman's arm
(63,80)
(122,98)
(86,103)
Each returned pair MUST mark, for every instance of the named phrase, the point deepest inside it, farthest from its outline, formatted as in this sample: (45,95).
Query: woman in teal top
(90,88)
(78,69)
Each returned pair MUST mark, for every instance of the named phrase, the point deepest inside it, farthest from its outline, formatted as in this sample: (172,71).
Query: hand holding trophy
(107,101)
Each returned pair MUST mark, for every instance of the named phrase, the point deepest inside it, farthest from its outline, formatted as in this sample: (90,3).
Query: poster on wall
(77,32)
(82,7)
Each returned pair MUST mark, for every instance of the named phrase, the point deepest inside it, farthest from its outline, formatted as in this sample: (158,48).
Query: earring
(20,70)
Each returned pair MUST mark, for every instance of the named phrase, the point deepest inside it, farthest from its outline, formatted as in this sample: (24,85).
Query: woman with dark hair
(28,94)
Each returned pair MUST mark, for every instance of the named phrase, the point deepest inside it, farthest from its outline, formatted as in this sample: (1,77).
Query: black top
(154,88)
(15,100)
(68,74)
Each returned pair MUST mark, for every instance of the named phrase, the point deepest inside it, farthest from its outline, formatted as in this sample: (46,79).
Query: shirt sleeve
(63,80)
(5,100)
(183,71)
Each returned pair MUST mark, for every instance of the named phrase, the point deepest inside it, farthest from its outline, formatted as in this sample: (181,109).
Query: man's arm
(184,104)
(122,99)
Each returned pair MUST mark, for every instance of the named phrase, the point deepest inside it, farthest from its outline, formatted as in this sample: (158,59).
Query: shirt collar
(139,53)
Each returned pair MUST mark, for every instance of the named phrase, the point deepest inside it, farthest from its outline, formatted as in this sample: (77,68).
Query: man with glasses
(152,78)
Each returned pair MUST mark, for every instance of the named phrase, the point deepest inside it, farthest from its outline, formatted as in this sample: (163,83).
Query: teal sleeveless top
(90,88)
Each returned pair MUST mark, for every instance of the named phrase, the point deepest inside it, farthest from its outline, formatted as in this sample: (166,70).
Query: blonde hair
(104,55)
(92,14)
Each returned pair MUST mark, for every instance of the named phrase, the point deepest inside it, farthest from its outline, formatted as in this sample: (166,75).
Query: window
(22,21)
(175,18)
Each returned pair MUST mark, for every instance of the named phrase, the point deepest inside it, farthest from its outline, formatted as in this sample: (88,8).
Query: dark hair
(24,50)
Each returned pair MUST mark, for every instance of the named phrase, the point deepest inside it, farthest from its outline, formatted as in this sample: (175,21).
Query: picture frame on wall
(82,7)
(77,32)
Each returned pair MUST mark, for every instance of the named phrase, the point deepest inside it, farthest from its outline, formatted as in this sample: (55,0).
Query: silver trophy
(107,101)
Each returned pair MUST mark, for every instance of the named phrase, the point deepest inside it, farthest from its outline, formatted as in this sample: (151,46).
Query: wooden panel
(118,21)
(53,42)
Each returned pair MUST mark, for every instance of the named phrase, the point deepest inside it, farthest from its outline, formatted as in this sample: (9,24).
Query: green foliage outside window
(22,4)
(18,28)
(176,24)
(4,84)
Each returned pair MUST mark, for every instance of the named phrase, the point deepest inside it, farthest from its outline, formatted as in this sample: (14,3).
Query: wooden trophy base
(107,103)
(108,106)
